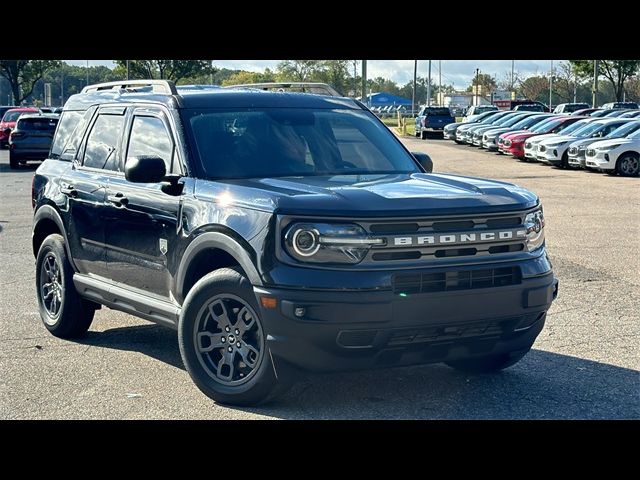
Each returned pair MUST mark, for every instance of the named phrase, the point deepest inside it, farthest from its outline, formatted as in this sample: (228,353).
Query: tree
(24,74)
(534,87)
(241,77)
(174,70)
(336,74)
(298,70)
(486,82)
(616,71)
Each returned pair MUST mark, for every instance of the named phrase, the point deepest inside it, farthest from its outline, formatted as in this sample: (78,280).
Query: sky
(458,73)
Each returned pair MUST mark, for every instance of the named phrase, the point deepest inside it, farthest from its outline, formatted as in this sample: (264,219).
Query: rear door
(142,223)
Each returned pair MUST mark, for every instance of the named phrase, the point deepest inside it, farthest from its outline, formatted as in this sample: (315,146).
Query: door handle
(118,199)
(69,191)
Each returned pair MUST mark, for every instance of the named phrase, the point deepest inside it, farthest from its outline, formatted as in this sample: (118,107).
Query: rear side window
(150,137)
(66,125)
(102,143)
(43,124)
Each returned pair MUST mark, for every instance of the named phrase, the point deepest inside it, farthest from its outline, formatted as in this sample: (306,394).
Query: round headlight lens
(306,242)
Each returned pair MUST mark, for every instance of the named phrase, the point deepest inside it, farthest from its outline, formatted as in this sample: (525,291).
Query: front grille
(429,282)
(573,151)
(591,152)
(438,333)
(458,228)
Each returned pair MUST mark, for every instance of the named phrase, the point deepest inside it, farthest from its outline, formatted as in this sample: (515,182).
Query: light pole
(363,98)
(211,73)
(441,102)
(594,98)
(127,69)
(550,84)
(513,69)
(87,72)
(415,77)
(476,99)
(429,87)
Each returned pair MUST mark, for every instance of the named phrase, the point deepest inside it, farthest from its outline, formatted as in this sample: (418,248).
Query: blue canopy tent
(383,99)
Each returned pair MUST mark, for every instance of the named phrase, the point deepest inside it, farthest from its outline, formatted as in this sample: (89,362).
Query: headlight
(534,229)
(608,147)
(328,243)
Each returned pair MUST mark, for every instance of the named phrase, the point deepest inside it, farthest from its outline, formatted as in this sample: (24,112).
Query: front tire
(223,342)
(628,165)
(423,135)
(488,363)
(64,313)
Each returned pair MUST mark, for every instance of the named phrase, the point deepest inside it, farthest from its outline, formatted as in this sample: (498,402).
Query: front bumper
(350,330)
(517,150)
(578,159)
(603,160)
(550,155)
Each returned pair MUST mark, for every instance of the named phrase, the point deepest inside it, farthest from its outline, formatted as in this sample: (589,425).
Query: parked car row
(28,132)
(604,139)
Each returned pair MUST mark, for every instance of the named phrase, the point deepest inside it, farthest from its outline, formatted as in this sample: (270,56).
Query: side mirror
(424,160)
(145,169)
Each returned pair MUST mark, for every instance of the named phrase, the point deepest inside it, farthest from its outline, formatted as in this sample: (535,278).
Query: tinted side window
(66,125)
(103,142)
(150,137)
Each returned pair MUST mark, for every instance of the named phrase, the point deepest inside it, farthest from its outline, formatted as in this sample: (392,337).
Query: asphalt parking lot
(585,364)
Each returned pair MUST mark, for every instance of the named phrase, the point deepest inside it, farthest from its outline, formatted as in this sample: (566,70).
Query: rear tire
(64,313)
(13,161)
(223,342)
(488,363)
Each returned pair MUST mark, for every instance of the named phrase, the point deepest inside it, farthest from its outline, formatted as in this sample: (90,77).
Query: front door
(142,228)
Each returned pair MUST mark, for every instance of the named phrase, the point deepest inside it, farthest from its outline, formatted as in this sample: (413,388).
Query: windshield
(511,121)
(624,130)
(11,116)
(482,116)
(277,142)
(588,130)
(546,126)
(493,116)
(529,121)
(635,135)
(575,127)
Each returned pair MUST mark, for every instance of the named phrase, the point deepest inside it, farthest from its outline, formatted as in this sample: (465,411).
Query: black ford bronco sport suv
(279,232)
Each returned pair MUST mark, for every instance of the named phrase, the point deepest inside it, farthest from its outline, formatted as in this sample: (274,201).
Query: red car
(8,122)
(513,142)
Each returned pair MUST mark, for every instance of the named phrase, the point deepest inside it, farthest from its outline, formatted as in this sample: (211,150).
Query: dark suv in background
(432,119)
(31,138)
(278,231)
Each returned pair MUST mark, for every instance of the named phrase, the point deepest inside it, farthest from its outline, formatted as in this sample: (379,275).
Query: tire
(564,163)
(13,161)
(64,313)
(488,363)
(628,165)
(423,135)
(207,317)
(417,134)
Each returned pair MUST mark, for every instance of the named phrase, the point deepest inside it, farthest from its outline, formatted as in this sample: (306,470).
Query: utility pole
(355,82)
(594,91)
(575,84)
(441,102)
(61,88)
(550,84)
(127,69)
(429,87)
(87,72)
(211,72)
(364,83)
(415,82)
(476,99)
(513,68)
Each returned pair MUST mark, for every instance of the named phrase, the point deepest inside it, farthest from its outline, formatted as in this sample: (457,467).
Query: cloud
(458,73)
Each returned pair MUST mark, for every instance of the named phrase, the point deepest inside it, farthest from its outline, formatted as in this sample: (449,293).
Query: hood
(559,138)
(610,141)
(496,131)
(583,142)
(542,138)
(417,194)
(516,134)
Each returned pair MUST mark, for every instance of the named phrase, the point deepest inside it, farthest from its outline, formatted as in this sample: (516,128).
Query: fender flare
(47,212)
(216,240)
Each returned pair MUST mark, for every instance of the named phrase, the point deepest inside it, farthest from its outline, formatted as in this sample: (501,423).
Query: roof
(199,97)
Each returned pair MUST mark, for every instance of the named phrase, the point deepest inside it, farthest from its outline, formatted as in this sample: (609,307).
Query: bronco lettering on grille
(457,238)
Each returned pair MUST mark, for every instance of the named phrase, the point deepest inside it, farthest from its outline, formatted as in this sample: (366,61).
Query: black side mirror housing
(145,169)
(424,160)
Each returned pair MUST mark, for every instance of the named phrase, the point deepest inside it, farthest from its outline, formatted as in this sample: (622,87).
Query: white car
(555,150)
(531,144)
(617,155)
(616,128)
(476,110)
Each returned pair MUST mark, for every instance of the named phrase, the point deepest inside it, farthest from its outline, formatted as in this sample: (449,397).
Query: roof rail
(305,87)
(157,86)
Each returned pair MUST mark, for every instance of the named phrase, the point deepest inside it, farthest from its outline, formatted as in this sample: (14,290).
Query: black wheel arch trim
(215,240)
(48,212)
